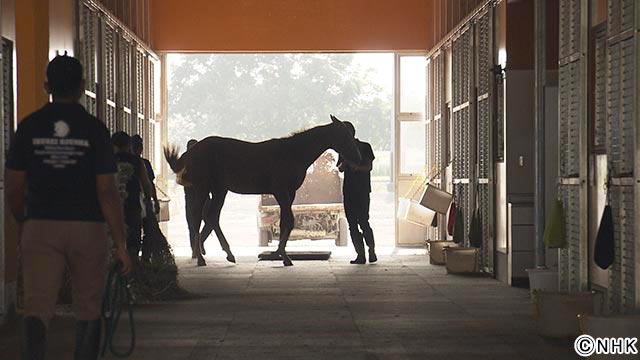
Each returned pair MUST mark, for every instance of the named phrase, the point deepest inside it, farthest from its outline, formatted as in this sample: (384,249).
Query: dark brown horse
(217,165)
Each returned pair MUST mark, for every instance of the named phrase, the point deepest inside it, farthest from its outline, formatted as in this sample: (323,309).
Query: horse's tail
(176,163)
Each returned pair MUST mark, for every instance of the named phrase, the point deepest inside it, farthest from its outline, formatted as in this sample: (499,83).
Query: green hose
(116,294)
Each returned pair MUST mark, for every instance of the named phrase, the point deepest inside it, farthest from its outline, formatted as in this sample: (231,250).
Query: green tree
(262,96)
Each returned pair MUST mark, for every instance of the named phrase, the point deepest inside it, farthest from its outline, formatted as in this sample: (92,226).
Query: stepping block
(297,255)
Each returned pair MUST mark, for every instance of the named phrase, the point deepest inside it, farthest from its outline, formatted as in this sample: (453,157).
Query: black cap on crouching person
(121,140)
(64,77)
(136,139)
(136,143)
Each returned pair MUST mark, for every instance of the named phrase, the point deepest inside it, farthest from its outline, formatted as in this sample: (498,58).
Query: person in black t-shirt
(132,180)
(136,149)
(61,188)
(355,191)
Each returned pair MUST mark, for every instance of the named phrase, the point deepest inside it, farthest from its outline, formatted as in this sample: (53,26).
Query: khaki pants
(47,248)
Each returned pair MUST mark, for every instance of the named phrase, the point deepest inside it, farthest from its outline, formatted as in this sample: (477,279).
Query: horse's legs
(201,196)
(286,225)
(204,215)
(212,222)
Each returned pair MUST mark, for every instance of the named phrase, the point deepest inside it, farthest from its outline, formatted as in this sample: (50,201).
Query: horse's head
(344,141)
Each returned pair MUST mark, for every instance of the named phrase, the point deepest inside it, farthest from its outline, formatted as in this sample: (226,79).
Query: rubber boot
(34,339)
(358,244)
(368,238)
(87,340)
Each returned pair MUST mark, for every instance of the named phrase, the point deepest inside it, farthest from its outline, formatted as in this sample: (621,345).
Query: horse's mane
(296,132)
(302,131)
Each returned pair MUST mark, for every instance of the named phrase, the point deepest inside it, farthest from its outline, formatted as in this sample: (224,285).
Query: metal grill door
(140,88)
(438,152)
(88,38)
(125,103)
(150,146)
(432,233)
(8,114)
(622,144)
(573,262)
(484,103)
(4,62)
(109,78)
(462,78)
(600,115)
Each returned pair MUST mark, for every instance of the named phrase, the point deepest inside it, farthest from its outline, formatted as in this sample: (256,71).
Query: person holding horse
(61,189)
(355,190)
(217,165)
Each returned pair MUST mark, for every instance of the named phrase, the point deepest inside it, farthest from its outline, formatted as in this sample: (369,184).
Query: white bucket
(556,313)
(614,326)
(412,212)
(436,199)
(542,280)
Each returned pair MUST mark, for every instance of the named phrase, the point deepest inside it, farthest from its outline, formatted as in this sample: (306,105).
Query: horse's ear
(334,119)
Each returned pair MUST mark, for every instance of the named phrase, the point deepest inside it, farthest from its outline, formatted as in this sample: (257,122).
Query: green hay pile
(156,278)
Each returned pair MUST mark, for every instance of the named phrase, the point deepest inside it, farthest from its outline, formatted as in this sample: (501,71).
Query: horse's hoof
(194,256)
(202,250)
(231,258)
(286,260)
(201,262)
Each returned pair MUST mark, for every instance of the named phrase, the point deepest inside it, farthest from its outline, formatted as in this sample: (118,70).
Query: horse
(217,165)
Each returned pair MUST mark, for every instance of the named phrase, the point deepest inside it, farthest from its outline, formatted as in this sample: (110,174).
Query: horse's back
(249,168)
(241,166)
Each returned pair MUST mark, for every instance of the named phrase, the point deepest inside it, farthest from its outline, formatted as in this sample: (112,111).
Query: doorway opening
(256,97)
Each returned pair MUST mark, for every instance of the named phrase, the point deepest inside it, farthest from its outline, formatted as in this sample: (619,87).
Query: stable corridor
(400,308)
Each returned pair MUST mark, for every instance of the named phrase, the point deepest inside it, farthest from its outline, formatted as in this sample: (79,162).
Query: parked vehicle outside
(318,210)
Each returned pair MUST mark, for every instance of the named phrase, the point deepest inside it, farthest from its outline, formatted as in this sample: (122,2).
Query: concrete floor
(400,308)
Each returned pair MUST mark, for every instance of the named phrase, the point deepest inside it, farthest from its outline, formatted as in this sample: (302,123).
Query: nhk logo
(586,346)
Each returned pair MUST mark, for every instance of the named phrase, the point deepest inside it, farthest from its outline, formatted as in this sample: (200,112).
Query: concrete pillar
(539,132)
(32,47)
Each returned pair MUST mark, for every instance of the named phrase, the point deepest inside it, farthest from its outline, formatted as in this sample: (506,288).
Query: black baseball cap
(64,75)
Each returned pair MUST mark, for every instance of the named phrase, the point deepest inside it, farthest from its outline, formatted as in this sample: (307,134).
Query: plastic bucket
(436,251)
(542,280)
(556,313)
(614,326)
(461,260)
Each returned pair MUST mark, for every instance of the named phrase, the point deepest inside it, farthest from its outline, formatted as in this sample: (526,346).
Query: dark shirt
(62,148)
(189,192)
(355,181)
(189,196)
(128,180)
(150,173)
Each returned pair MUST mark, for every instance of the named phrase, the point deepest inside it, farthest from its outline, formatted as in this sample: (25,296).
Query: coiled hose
(115,296)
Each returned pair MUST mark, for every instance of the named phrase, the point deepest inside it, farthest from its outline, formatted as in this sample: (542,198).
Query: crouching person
(61,188)
(132,180)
